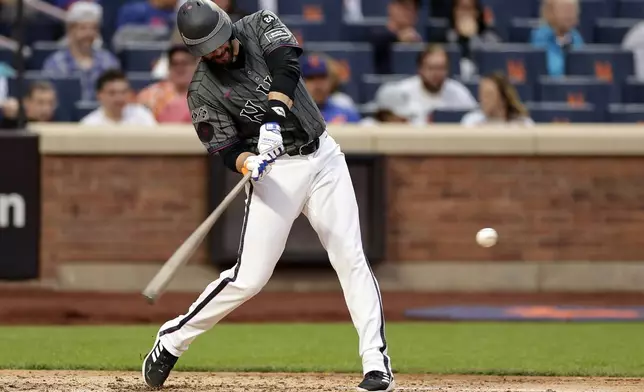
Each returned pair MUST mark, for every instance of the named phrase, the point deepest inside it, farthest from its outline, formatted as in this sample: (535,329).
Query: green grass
(608,349)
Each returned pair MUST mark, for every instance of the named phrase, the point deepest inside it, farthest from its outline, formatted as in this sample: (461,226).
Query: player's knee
(251,287)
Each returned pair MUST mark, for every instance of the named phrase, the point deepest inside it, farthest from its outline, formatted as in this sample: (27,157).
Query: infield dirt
(94,381)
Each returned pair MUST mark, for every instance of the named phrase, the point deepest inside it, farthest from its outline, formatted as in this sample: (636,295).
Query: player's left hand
(270,143)
(258,166)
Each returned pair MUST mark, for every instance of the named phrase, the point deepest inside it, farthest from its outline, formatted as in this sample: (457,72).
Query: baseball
(487,237)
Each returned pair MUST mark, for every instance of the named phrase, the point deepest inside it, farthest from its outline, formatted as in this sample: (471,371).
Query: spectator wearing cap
(80,57)
(115,107)
(315,72)
(167,98)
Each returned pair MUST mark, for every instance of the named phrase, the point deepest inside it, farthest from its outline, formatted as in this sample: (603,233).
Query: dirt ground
(39,306)
(82,381)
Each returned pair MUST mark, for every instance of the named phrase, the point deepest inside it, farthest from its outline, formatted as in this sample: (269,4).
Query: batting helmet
(203,26)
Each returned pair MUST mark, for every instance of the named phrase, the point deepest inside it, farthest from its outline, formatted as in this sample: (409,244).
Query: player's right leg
(271,207)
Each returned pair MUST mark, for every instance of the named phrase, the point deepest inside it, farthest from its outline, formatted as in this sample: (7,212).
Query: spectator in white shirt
(500,104)
(113,93)
(432,89)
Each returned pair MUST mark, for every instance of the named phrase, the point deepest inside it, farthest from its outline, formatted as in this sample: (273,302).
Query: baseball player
(250,107)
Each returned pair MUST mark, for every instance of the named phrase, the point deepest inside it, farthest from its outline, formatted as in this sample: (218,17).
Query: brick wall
(544,208)
(138,209)
(134,209)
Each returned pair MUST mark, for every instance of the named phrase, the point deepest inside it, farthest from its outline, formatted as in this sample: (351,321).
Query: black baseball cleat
(377,381)
(157,365)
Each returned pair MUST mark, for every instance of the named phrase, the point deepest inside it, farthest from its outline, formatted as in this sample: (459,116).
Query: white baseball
(487,237)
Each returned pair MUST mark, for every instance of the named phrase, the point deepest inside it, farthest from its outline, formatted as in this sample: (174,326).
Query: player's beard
(227,57)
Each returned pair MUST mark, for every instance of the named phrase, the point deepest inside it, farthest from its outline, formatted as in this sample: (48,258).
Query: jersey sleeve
(272,33)
(214,126)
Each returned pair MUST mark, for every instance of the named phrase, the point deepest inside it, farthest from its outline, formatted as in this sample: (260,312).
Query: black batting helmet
(203,26)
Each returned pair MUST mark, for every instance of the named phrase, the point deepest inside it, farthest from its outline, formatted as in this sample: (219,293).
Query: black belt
(310,147)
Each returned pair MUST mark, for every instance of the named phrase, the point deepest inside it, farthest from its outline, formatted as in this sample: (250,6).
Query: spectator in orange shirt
(167,98)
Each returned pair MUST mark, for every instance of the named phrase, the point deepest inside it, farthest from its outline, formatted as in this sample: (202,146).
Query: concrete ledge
(525,277)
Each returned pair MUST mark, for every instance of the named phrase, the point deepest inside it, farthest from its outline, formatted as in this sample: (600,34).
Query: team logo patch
(268,19)
(205,131)
(199,114)
(276,34)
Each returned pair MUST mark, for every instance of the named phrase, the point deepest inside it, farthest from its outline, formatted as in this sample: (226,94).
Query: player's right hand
(258,166)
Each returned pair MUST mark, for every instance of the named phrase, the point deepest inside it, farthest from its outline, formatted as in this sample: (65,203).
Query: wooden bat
(189,246)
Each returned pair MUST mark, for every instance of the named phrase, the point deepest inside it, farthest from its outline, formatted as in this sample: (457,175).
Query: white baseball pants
(318,185)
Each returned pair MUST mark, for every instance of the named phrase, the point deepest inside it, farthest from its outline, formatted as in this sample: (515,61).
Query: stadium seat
(436,29)
(7,56)
(83,108)
(447,116)
(314,31)
(500,12)
(633,91)
(591,10)
(631,113)
(311,10)
(370,83)
(141,57)
(606,63)
(630,9)
(578,90)
(405,58)
(521,63)
(374,7)
(612,31)
(354,58)
(41,51)
(140,80)
(556,112)
(249,6)
(520,29)
(525,90)
(361,31)
(68,91)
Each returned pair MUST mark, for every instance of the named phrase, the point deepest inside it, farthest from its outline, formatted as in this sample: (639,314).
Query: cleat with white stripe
(376,381)
(157,365)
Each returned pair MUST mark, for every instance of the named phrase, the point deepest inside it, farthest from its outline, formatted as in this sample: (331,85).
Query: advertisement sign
(303,246)
(19,205)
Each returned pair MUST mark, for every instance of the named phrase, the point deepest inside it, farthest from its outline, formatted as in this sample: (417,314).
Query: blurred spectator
(558,33)
(432,88)
(467,29)
(391,104)
(634,41)
(113,95)
(315,72)
(338,72)
(500,104)
(167,98)
(40,104)
(80,57)
(148,13)
(230,6)
(401,27)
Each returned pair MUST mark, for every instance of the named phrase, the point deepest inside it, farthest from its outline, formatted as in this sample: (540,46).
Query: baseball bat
(189,246)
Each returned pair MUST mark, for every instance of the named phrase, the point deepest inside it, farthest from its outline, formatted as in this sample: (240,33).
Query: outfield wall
(567,200)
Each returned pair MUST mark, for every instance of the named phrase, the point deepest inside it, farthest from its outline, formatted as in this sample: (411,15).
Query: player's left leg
(332,210)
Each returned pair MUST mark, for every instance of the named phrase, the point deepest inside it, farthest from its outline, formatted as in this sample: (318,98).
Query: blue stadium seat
(577,90)
(612,31)
(42,50)
(502,12)
(556,112)
(436,29)
(141,57)
(604,62)
(520,29)
(83,108)
(314,31)
(630,9)
(249,6)
(7,56)
(591,10)
(68,91)
(525,90)
(370,83)
(311,10)
(522,63)
(374,7)
(631,113)
(357,59)
(140,80)
(405,58)
(442,116)
(633,91)
(361,31)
